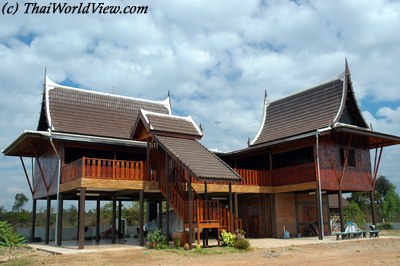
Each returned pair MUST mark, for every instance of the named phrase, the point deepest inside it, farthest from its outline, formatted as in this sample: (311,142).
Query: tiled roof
(200,161)
(171,124)
(302,112)
(86,112)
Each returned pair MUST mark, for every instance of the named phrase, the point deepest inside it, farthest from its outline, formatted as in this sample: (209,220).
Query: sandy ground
(375,251)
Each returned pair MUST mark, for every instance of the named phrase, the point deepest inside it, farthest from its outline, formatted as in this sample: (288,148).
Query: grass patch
(390,233)
(206,251)
(17,262)
(3,251)
(19,257)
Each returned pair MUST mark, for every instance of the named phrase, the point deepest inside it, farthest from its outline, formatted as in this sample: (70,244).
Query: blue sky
(216,58)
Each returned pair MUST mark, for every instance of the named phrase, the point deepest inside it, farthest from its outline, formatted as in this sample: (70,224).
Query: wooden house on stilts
(103,147)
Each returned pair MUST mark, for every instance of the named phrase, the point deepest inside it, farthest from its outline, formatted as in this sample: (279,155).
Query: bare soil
(356,252)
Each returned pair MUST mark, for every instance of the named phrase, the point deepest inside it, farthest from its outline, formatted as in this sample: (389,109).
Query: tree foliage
(386,201)
(20,201)
(390,208)
(383,185)
(353,213)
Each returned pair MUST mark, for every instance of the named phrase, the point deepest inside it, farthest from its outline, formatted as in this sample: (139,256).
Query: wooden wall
(297,221)
(356,178)
(285,213)
(307,212)
(256,211)
(297,174)
(48,170)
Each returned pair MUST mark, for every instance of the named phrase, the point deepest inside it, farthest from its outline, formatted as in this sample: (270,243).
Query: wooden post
(79,215)
(319,210)
(33,221)
(26,175)
(208,211)
(114,217)
(373,214)
(236,204)
(341,211)
(190,209)
(60,219)
(296,206)
(205,213)
(98,220)
(141,218)
(231,228)
(160,212)
(47,230)
(167,192)
(120,233)
(82,218)
(318,191)
(269,183)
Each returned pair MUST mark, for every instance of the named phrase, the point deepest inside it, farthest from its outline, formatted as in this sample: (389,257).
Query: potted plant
(240,234)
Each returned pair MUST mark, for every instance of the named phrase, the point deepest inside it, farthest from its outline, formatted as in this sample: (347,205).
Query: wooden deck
(108,174)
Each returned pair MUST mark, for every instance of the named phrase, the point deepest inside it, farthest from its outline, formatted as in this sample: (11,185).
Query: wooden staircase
(205,213)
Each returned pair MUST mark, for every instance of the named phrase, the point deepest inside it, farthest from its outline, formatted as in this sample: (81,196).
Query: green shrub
(242,244)
(158,238)
(384,226)
(227,239)
(10,239)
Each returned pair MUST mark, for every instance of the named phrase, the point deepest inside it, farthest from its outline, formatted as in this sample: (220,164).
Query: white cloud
(216,59)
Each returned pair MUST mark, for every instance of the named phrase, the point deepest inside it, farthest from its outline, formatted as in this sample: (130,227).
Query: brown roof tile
(98,114)
(201,162)
(302,112)
(173,124)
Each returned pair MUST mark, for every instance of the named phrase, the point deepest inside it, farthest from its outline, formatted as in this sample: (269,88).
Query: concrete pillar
(48,212)
(141,217)
(33,221)
(98,220)
(60,219)
(81,225)
(113,224)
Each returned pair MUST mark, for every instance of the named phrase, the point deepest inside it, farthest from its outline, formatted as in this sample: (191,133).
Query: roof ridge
(340,77)
(50,83)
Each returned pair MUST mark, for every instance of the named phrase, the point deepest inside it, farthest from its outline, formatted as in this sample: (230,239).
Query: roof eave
(69,137)
(386,139)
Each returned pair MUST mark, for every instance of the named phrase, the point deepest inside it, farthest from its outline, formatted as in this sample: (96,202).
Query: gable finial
(248,142)
(201,128)
(370,125)
(170,102)
(45,76)
(266,100)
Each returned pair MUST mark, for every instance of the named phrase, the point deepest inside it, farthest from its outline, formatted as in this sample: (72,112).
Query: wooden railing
(203,211)
(104,169)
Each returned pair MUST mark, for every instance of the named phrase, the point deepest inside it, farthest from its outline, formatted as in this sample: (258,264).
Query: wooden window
(291,158)
(309,213)
(351,160)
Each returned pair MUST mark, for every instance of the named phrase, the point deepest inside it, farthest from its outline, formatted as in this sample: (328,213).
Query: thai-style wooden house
(97,146)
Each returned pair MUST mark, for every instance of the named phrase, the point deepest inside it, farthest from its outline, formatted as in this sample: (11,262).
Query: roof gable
(162,124)
(351,113)
(316,108)
(302,112)
(72,110)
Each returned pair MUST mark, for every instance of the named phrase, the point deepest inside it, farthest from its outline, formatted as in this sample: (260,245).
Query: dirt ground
(344,252)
